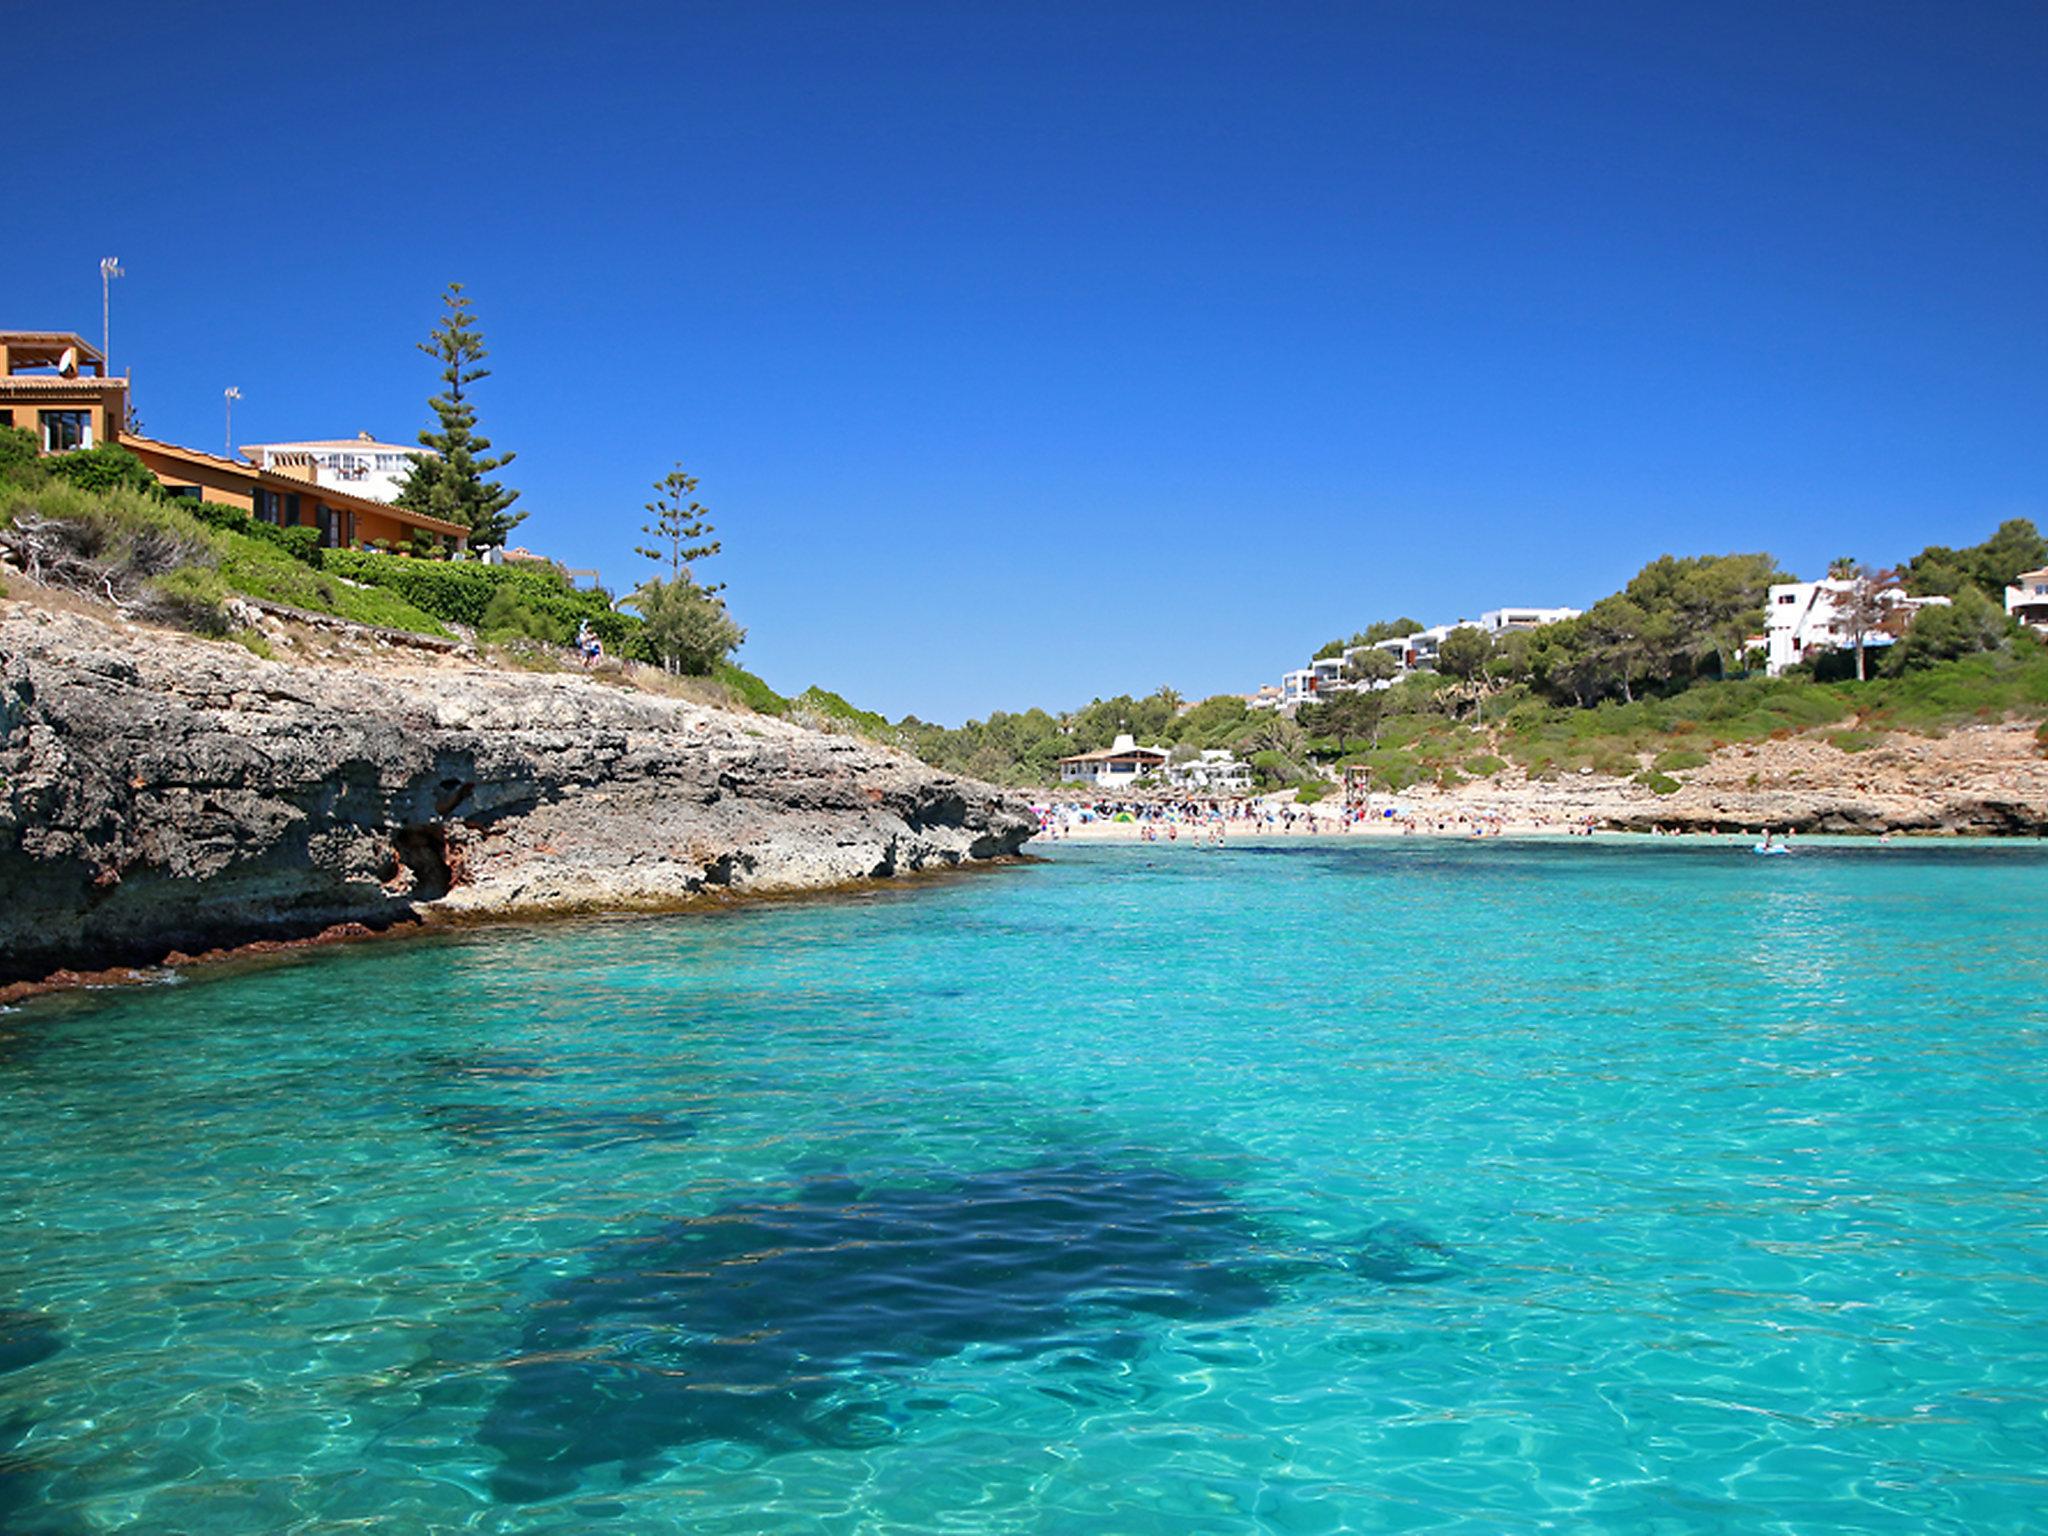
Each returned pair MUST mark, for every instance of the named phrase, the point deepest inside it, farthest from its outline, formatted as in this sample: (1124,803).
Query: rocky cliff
(1983,779)
(160,793)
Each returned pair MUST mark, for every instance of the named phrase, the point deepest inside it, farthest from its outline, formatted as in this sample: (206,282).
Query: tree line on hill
(1682,622)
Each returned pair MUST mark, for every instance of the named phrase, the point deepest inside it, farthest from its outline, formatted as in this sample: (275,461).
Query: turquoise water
(1353,1187)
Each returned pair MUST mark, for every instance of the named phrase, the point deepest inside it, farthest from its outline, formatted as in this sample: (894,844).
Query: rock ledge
(160,793)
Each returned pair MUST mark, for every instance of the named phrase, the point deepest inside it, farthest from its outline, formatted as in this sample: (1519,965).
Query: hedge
(459,591)
(300,542)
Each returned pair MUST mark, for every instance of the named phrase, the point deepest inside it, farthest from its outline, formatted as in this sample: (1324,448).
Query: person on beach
(588,645)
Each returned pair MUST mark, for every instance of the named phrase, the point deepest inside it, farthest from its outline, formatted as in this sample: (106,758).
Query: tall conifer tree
(451,482)
(681,529)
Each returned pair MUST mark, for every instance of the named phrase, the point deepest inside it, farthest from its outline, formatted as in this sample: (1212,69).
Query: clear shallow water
(1388,1187)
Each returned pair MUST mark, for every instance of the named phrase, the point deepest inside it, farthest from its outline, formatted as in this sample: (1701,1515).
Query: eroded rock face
(160,793)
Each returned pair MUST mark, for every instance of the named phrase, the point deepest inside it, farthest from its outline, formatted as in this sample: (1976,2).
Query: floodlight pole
(227,439)
(110,268)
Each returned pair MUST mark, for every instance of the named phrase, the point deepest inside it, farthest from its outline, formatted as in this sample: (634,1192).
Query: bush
(262,570)
(18,459)
(1971,623)
(459,592)
(104,543)
(1658,783)
(1484,766)
(189,597)
(820,706)
(750,690)
(1678,759)
(300,542)
(1312,790)
(686,628)
(509,616)
(104,467)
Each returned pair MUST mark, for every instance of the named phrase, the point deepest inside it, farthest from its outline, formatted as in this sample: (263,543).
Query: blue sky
(1034,352)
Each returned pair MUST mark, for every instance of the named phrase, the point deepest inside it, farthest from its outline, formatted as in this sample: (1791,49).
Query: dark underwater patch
(1397,1253)
(25,1338)
(773,1323)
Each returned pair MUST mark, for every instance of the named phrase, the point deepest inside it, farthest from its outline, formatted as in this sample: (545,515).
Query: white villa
(1121,766)
(1801,620)
(360,465)
(2027,599)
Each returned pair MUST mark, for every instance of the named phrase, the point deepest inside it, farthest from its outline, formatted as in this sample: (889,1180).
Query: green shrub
(1484,766)
(509,616)
(1658,783)
(103,467)
(459,592)
(750,690)
(1853,741)
(190,598)
(254,643)
(824,705)
(260,569)
(1678,759)
(1275,767)
(18,457)
(298,541)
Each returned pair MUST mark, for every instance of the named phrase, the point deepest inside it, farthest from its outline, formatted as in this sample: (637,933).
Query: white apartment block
(1411,653)
(360,465)
(1496,621)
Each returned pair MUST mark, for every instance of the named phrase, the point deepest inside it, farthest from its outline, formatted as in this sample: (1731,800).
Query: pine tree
(680,532)
(450,482)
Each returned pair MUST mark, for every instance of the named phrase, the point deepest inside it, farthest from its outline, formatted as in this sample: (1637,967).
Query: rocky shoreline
(167,796)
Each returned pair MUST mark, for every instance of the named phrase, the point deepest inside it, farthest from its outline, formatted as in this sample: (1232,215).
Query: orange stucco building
(55,385)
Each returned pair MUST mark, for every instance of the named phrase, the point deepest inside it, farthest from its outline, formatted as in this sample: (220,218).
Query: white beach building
(1802,620)
(2027,599)
(1121,766)
(360,465)
(1215,771)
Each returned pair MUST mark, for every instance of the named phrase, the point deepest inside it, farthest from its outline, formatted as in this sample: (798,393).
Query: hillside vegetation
(1646,684)
(97,522)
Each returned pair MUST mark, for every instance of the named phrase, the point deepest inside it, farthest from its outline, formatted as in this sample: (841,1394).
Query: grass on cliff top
(133,535)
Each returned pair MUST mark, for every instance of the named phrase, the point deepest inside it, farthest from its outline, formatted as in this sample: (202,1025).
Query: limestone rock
(162,793)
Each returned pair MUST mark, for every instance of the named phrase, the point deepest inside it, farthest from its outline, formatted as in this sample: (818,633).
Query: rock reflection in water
(767,1323)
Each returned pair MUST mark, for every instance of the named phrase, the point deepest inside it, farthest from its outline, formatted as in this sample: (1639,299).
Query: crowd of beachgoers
(1279,815)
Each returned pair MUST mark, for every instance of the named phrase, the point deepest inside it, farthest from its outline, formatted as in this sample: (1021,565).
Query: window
(66,430)
(265,508)
(185,492)
(6,418)
(1789,597)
